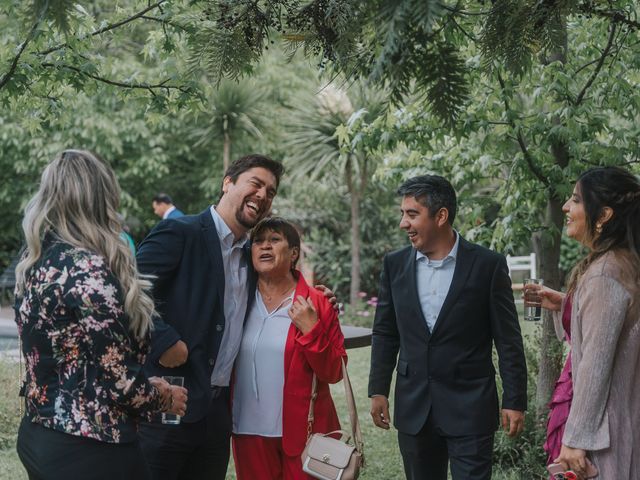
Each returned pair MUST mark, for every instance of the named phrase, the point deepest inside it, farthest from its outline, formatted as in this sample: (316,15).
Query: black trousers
(190,451)
(426,455)
(48,454)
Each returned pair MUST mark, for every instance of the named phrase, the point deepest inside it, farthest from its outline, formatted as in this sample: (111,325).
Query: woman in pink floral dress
(83,316)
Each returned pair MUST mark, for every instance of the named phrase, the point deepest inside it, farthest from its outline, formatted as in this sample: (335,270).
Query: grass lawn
(383,460)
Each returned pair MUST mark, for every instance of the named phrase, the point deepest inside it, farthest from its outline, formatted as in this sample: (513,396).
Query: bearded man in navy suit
(443,303)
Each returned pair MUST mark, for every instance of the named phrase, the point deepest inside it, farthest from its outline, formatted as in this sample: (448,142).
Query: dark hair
(432,191)
(279,225)
(163,198)
(619,190)
(253,160)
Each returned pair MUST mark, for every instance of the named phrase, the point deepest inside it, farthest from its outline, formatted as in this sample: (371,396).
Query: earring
(598,228)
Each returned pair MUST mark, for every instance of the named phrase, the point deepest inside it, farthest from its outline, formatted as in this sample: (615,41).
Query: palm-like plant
(316,148)
(234,111)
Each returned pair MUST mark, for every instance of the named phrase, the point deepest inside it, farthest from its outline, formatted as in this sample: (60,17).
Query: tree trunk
(547,248)
(354,194)
(226,151)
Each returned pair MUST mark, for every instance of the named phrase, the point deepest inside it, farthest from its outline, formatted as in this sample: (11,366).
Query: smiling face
(248,200)
(576,216)
(272,255)
(426,232)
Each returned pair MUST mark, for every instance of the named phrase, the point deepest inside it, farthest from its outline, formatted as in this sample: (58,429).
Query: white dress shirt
(257,393)
(433,279)
(236,291)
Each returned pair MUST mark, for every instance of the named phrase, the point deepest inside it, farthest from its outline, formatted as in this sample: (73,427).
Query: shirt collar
(167,212)
(452,255)
(224,232)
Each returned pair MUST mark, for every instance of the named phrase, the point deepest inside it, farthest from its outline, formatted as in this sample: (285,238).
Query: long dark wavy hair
(619,190)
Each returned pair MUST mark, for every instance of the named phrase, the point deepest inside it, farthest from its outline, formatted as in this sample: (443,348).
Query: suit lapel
(211,240)
(464,264)
(412,280)
(252,278)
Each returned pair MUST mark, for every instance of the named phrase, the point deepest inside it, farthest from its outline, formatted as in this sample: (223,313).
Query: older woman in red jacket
(291,332)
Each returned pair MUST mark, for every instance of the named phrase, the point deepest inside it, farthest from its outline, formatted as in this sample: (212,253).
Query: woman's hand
(173,397)
(573,459)
(303,314)
(544,296)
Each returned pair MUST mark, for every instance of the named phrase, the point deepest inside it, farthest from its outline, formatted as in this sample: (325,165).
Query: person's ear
(606,214)
(225,184)
(295,254)
(442,217)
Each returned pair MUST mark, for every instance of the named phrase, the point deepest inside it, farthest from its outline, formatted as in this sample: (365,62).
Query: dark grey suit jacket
(449,372)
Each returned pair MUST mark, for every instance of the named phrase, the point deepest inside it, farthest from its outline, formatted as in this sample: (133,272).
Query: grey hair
(78,200)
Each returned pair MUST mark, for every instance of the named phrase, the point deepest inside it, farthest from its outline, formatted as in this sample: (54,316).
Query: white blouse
(257,395)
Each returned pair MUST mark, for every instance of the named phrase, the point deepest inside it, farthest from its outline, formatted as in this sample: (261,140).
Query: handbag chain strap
(356,434)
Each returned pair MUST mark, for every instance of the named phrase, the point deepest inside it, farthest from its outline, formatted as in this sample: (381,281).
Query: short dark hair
(432,191)
(253,160)
(278,225)
(163,198)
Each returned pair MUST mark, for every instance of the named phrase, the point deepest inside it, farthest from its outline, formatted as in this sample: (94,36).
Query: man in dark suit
(202,288)
(164,208)
(442,303)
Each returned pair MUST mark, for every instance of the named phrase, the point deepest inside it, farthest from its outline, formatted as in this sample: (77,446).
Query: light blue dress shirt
(236,292)
(433,279)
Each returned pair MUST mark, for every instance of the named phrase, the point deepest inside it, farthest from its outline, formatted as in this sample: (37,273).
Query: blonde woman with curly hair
(84,318)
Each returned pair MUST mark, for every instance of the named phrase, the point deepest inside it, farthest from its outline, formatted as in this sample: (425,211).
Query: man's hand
(380,411)
(573,459)
(512,422)
(175,355)
(330,295)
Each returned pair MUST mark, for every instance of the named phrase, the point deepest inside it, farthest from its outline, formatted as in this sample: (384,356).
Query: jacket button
(219,328)
(211,361)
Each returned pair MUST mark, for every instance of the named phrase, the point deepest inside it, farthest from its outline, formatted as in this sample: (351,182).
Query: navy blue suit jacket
(184,256)
(449,372)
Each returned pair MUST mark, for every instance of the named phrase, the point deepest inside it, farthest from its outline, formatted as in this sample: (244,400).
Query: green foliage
(323,212)
(523,456)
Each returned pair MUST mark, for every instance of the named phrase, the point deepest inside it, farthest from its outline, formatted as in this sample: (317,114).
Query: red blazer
(318,351)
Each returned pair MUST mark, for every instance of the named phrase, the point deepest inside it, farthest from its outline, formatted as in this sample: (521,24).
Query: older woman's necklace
(271,296)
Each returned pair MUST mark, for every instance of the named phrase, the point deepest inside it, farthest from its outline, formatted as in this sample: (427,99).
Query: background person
(84,317)
(164,208)
(443,303)
(603,422)
(291,332)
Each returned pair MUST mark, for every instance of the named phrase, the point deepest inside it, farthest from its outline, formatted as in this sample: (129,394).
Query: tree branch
(615,15)
(110,27)
(116,83)
(164,22)
(519,138)
(14,63)
(605,52)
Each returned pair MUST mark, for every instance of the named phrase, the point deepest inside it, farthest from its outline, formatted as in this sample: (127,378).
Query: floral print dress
(83,366)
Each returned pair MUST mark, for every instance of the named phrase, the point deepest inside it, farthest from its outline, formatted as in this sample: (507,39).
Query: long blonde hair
(78,200)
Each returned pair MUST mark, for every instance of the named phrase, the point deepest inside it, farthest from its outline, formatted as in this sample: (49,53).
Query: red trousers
(262,458)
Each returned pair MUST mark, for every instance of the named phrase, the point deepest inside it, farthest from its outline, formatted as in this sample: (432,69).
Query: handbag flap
(329,450)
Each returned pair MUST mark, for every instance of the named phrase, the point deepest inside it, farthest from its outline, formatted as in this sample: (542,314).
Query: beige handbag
(328,458)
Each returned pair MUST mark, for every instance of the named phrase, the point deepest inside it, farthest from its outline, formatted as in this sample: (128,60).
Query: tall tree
(233,110)
(320,143)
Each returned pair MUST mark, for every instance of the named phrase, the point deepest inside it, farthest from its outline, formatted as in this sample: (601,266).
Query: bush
(523,457)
